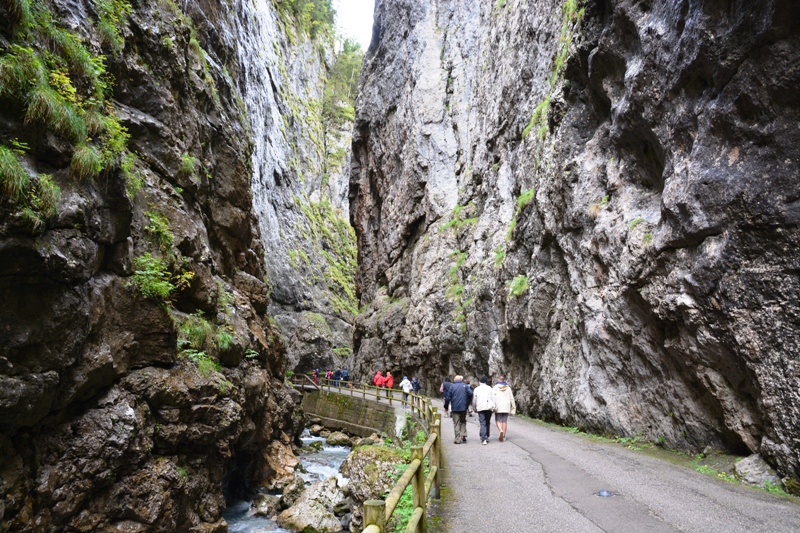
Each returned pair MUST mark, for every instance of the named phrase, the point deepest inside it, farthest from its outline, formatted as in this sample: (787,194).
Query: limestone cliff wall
(140,375)
(598,199)
(299,184)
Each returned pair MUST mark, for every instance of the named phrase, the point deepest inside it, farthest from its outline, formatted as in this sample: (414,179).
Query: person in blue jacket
(459,396)
(415,385)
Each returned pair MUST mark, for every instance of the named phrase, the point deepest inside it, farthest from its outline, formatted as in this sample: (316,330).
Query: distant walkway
(545,480)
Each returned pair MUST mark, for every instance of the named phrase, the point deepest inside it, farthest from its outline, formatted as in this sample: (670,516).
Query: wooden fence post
(436,455)
(375,514)
(418,486)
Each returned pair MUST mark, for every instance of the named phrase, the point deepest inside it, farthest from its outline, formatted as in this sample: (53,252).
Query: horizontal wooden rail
(429,444)
(413,522)
(431,476)
(400,487)
(378,512)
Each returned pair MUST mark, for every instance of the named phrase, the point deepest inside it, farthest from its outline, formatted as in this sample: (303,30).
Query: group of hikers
(406,385)
(459,396)
(338,377)
(460,399)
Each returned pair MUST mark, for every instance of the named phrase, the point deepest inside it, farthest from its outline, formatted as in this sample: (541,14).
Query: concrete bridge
(546,479)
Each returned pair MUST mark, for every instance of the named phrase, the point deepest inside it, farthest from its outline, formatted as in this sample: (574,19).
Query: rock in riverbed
(313,512)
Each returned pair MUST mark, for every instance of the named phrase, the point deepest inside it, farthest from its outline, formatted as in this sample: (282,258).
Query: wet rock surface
(596,201)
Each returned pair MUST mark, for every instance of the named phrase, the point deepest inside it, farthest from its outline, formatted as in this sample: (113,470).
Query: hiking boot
(463,439)
(457,442)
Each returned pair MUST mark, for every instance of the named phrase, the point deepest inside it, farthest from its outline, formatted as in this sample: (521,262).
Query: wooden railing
(378,512)
(302,381)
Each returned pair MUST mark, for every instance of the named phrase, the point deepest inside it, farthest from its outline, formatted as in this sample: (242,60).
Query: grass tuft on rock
(14,179)
(86,162)
(517,286)
(46,105)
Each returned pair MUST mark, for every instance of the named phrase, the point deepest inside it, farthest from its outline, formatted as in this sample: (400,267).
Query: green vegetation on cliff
(60,84)
(572,18)
(342,85)
(333,239)
(310,17)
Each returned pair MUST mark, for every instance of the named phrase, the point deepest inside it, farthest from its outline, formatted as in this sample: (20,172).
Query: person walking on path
(388,383)
(446,384)
(407,388)
(459,396)
(415,384)
(504,403)
(484,405)
(469,407)
(378,380)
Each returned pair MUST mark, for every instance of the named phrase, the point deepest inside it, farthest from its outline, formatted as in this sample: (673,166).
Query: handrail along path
(378,512)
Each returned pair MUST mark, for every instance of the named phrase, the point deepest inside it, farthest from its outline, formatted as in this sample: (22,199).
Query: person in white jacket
(504,405)
(484,405)
(407,387)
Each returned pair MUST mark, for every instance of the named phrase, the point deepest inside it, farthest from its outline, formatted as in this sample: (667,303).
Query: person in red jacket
(388,383)
(378,380)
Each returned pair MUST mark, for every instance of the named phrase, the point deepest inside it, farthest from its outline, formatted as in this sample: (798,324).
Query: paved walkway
(544,480)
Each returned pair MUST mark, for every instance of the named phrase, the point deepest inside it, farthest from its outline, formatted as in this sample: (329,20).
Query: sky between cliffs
(354,19)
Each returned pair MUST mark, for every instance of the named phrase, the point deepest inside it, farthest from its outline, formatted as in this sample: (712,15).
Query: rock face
(299,185)
(597,199)
(140,376)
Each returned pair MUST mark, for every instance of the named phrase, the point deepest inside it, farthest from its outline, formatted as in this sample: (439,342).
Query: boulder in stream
(266,505)
(372,440)
(313,511)
(337,438)
(291,493)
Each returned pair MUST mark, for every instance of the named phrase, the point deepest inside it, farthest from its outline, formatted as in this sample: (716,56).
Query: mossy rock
(371,470)
(337,438)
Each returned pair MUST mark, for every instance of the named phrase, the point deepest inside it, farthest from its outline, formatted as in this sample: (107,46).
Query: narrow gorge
(599,199)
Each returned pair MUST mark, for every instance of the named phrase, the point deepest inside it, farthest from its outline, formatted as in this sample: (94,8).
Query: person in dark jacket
(415,385)
(337,375)
(446,384)
(459,396)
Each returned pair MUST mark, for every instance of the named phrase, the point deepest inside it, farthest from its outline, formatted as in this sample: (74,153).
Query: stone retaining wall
(357,416)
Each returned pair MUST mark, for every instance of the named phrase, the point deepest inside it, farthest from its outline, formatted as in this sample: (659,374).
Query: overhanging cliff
(597,199)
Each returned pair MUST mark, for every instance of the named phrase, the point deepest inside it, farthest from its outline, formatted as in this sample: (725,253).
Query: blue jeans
(485,418)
